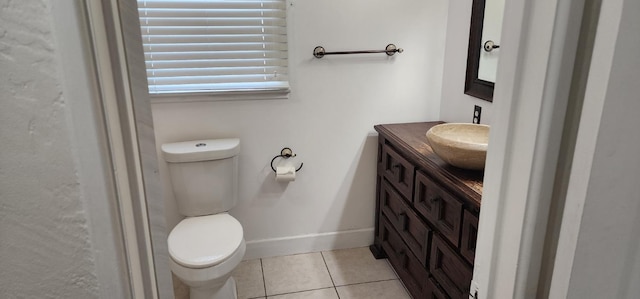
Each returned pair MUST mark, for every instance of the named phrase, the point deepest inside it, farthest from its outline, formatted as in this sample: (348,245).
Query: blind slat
(202,38)
(160,64)
(215,55)
(174,47)
(214,45)
(197,30)
(219,87)
(217,79)
(217,71)
(194,21)
(212,13)
(221,4)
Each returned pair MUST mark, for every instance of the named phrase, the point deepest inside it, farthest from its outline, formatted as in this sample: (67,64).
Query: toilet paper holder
(285,153)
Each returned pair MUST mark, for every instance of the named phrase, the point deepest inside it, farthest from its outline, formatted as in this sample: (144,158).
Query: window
(214,46)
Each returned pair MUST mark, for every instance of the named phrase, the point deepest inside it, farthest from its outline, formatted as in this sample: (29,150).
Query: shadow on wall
(355,201)
(350,212)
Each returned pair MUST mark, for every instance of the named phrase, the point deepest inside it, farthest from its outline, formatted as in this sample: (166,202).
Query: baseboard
(309,243)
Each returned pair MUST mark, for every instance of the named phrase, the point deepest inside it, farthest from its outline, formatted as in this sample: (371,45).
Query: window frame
(230,95)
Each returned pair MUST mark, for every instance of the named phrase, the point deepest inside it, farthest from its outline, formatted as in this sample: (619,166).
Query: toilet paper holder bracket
(285,153)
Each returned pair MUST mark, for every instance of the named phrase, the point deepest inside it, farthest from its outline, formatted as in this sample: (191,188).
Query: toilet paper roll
(285,173)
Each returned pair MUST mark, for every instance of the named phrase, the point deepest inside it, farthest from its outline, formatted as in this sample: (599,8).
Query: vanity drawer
(434,291)
(453,274)
(398,171)
(412,273)
(469,236)
(439,207)
(415,233)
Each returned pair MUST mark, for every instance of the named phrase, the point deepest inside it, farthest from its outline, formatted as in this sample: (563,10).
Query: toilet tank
(204,175)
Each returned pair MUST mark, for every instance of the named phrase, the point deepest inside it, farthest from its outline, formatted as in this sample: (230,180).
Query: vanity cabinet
(426,214)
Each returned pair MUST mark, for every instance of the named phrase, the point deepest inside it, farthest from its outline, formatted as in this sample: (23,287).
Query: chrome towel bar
(390,50)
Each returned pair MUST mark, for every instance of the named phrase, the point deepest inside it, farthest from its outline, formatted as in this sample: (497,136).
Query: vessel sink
(459,144)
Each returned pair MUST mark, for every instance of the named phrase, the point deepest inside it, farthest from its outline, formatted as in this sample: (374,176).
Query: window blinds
(195,46)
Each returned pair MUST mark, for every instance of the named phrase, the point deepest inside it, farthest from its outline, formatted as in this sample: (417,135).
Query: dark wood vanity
(426,213)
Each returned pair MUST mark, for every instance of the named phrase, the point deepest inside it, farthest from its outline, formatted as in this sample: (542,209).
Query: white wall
(328,121)
(457,106)
(51,176)
(599,247)
(491,30)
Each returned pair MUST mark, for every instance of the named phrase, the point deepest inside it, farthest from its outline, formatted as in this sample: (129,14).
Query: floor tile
(392,269)
(389,289)
(350,266)
(329,293)
(248,276)
(294,273)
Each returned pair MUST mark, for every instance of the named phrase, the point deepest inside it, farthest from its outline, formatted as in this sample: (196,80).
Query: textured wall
(45,248)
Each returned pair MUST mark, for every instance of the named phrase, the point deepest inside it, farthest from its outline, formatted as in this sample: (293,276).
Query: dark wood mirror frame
(474,86)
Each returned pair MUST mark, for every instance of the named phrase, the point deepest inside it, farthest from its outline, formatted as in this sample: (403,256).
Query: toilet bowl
(208,244)
(204,251)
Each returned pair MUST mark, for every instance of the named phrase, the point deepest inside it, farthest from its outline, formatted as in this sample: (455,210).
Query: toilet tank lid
(201,150)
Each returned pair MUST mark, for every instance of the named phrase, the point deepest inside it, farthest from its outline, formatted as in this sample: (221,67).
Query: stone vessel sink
(459,144)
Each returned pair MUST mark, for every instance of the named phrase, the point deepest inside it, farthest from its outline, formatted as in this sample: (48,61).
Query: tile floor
(338,274)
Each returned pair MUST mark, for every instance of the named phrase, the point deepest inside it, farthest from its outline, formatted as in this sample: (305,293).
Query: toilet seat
(205,241)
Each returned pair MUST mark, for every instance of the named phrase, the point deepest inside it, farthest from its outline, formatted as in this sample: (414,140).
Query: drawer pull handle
(397,165)
(435,199)
(403,221)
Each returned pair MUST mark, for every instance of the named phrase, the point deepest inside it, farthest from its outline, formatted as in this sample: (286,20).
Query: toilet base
(227,291)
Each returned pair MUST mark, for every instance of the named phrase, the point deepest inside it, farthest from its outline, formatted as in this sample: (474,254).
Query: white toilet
(208,244)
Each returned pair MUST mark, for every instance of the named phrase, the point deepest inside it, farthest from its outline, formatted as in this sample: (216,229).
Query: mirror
(484,48)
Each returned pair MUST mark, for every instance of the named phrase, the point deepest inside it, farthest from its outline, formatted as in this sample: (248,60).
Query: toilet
(208,244)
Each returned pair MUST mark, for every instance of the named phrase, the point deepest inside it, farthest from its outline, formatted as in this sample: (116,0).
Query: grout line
(335,287)
(328,271)
(264,283)
(330,276)
(296,292)
(373,281)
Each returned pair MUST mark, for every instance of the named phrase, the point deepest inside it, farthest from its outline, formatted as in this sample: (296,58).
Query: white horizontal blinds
(214,45)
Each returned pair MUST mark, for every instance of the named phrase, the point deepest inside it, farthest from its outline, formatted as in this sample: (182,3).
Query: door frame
(131,141)
(534,88)
(534,75)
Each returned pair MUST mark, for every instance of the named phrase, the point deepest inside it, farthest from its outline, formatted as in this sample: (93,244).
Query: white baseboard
(309,243)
